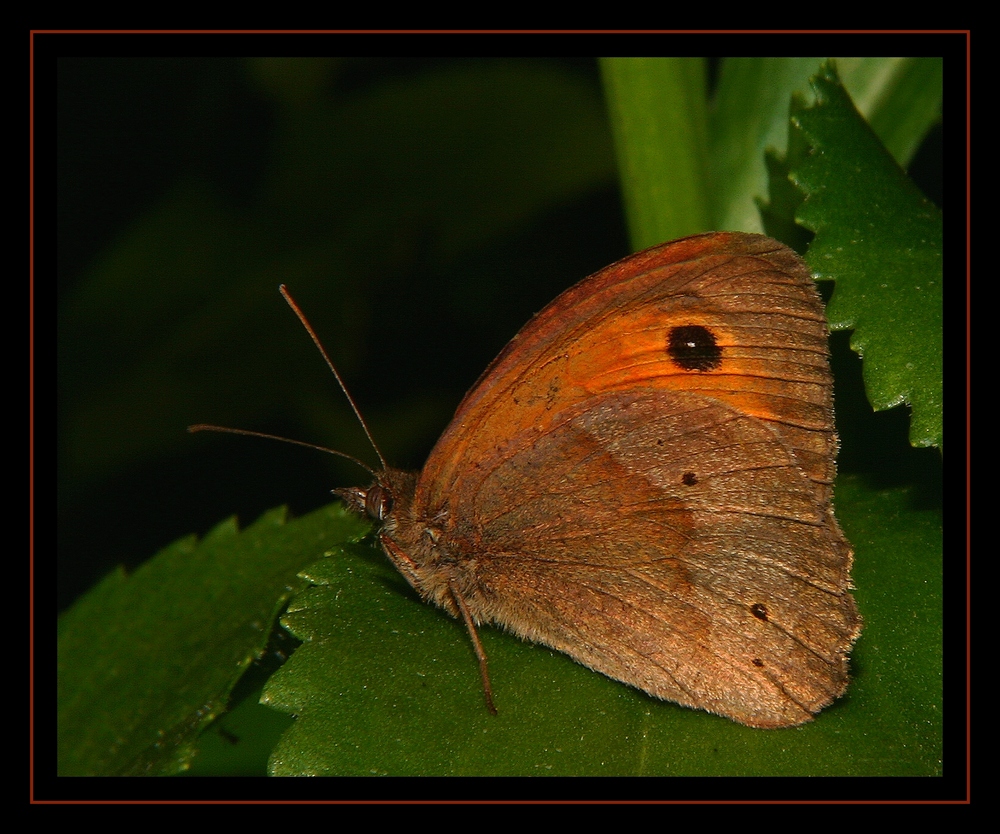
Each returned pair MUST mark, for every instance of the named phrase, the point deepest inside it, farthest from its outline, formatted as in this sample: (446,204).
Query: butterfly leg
(480,654)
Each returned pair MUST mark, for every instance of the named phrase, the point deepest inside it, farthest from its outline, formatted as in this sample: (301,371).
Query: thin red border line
(968,418)
(31,417)
(967,33)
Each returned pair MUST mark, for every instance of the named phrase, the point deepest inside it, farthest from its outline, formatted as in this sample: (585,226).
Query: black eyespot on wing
(693,347)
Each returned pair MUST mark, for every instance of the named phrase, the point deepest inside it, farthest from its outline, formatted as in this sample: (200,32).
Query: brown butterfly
(642,479)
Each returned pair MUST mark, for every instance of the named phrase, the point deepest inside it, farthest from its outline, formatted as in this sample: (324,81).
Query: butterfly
(643,479)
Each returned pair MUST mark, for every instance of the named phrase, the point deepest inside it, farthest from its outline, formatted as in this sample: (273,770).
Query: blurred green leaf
(147,662)
(658,112)
(689,164)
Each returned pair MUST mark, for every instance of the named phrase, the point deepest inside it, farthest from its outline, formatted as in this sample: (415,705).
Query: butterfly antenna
(248,433)
(319,345)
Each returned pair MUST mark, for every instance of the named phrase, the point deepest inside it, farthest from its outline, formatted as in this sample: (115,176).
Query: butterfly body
(642,480)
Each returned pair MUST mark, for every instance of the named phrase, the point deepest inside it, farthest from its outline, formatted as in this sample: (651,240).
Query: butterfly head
(382,499)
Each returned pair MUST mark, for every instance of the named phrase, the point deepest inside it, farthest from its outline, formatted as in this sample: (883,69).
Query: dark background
(411,316)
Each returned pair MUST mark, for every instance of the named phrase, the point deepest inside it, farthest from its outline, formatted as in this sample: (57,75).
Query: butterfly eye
(378,503)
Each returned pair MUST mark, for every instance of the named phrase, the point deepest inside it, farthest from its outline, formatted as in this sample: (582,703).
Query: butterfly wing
(642,480)
(628,536)
(614,331)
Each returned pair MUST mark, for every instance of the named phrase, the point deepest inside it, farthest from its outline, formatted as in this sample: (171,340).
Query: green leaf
(898,662)
(147,662)
(385,684)
(690,164)
(749,116)
(881,240)
(899,97)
